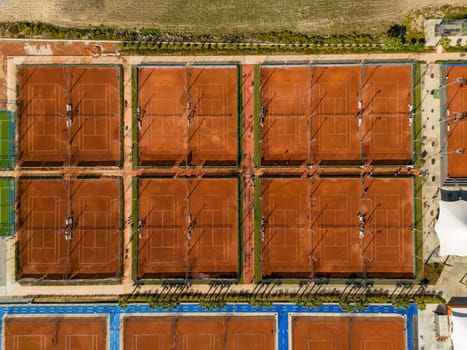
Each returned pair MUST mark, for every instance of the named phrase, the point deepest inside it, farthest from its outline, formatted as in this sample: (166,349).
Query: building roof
(452,227)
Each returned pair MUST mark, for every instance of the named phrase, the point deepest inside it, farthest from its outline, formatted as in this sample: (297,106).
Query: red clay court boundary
(348,332)
(187,114)
(310,114)
(457,132)
(199,332)
(248,272)
(53,96)
(311,227)
(64,333)
(94,251)
(190,228)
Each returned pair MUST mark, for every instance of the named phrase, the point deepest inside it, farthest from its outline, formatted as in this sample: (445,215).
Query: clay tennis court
(348,332)
(334,128)
(310,114)
(199,332)
(188,114)
(386,96)
(311,227)
(457,134)
(286,242)
(190,228)
(51,97)
(64,333)
(94,250)
(285,104)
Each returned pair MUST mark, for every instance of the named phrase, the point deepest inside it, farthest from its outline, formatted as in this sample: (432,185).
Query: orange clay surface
(199,332)
(311,228)
(344,332)
(93,252)
(55,333)
(457,135)
(190,228)
(311,115)
(187,114)
(94,136)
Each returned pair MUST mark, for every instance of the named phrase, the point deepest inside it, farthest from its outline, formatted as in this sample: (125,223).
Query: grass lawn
(6,208)
(432,272)
(6,141)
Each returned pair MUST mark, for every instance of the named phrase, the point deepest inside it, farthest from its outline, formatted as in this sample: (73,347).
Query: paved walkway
(452,281)
(432,40)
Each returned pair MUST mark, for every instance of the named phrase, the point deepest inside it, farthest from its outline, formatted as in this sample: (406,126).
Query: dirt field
(221,16)
(199,332)
(50,97)
(311,228)
(457,135)
(40,333)
(188,115)
(311,114)
(344,332)
(190,228)
(95,247)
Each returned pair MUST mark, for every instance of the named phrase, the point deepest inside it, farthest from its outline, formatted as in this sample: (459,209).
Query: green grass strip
(241,241)
(417,122)
(134,122)
(418,183)
(7,137)
(3,127)
(418,222)
(3,207)
(418,162)
(398,300)
(256,111)
(7,216)
(257,225)
(134,238)
(241,115)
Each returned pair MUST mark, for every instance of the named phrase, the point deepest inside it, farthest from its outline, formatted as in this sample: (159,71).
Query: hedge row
(348,302)
(48,31)
(148,48)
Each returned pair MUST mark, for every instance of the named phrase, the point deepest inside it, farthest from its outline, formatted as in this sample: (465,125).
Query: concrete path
(427,339)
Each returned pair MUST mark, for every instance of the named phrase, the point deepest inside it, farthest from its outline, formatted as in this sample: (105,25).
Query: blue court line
(411,317)
(114,312)
(454,64)
(115,329)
